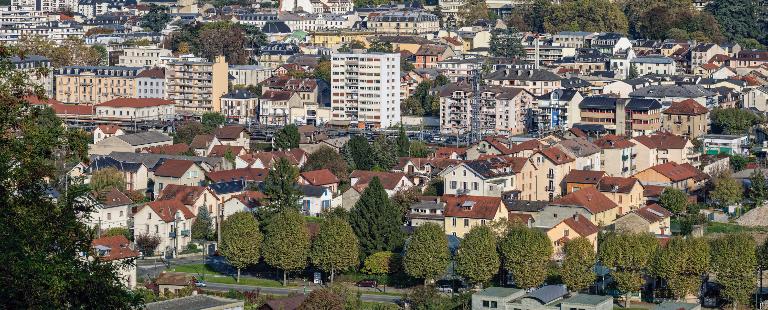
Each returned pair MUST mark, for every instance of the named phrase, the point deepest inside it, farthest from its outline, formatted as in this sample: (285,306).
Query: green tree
(287,137)
(673,200)
(628,256)
(473,11)
(202,228)
(677,34)
(380,47)
(750,44)
(477,259)
(385,155)
(323,70)
(286,242)
(212,120)
(733,262)
(578,265)
(632,72)
(526,253)
(728,191)
(403,143)
(240,240)
(335,247)
(426,253)
(348,47)
(322,299)
(326,158)
(733,120)
(381,263)
(156,18)
(506,43)
(118,231)
(419,149)
(376,221)
(737,18)
(281,188)
(586,15)
(358,153)
(223,38)
(758,190)
(107,178)
(738,162)
(147,243)
(682,264)
(186,132)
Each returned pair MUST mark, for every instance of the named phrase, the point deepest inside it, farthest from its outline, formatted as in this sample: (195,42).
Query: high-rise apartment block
(365,88)
(197,87)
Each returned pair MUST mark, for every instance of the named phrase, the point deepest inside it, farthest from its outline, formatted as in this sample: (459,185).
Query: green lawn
(195,268)
(729,228)
(213,276)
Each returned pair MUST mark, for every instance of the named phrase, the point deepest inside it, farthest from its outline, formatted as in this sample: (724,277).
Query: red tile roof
(581,225)
(686,107)
(61,108)
(520,218)
(247,174)
(663,141)
(653,213)
(674,172)
(167,209)
(613,142)
(173,149)
(201,141)
(448,151)
(320,177)
(186,194)
(710,66)
(584,176)
(109,129)
(475,207)
(114,197)
(221,150)
(390,180)
(530,145)
(498,145)
(251,199)
(652,190)
(119,248)
(173,168)
(136,103)
(578,132)
(589,198)
(154,73)
(616,184)
(556,155)
(229,132)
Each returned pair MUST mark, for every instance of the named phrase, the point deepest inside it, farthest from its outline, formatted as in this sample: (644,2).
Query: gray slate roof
(523,75)
(143,138)
(151,160)
(548,293)
(663,91)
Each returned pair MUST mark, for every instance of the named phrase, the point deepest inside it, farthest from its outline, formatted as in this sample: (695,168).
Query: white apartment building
(365,88)
(129,109)
(146,56)
(654,65)
(240,106)
(46,5)
(150,83)
(249,74)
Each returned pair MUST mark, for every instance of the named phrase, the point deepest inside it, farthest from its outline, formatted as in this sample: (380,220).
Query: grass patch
(195,268)
(313,219)
(243,281)
(367,305)
(729,228)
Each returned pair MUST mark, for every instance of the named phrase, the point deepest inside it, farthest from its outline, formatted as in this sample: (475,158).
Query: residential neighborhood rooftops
(167,209)
(143,138)
(173,168)
(475,207)
(616,184)
(686,107)
(589,198)
(320,177)
(613,142)
(587,299)
(499,292)
(584,176)
(653,213)
(663,141)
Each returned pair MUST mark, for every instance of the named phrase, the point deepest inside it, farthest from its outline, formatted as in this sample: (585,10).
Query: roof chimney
(576,217)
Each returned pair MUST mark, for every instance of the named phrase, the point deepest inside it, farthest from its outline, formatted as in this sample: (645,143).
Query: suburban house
(393,182)
(193,197)
(102,132)
(247,201)
(462,212)
(553,165)
(249,175)
(202,144)
(488,146)
(568,229)
(179,172)
(683,177)
(652,218)
(627,193)
(234,135)
(492,177)
(686,118)
(172,282)
(588,202)
(118,250)
(579,179)
(457,153)
(322,177)
(129,143)
(426,211)
(586,153)
(112,210)
(169,220)
(136,175)
(617,156)
(661,148)
(316,199)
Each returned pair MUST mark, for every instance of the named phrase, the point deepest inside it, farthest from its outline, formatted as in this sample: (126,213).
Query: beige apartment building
(404,22)
(94,84)
(197,87)
(686,118)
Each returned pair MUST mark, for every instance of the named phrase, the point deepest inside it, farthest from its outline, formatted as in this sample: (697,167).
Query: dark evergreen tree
(281,188)
(359,154)
(403,143)
(376,221)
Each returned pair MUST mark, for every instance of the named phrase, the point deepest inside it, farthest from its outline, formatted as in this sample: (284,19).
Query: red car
(368,283)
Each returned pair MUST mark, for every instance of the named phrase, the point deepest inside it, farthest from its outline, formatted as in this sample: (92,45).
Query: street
(288,290)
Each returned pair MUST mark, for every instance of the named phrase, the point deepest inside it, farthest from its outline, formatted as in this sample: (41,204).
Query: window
(157,229)
(121,213)
(453,184)
(475,186)
(109,216)
(454,221)
(566,232)
(466,222)
(149,215)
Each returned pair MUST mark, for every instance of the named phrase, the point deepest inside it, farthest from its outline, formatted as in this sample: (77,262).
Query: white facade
(654,65)
(146,221)
(249,74)
(129,112)
(143,56)
(147,87)
(366,88)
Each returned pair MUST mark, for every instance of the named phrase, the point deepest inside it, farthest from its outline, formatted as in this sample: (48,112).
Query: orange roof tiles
(686,107)
(320,177)
(173,168)
(136,103)
(475,207)
(589,198)
(613,142)
(167,209)
(119,248)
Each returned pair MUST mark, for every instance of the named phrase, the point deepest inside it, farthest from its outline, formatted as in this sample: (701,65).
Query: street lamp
(176,221)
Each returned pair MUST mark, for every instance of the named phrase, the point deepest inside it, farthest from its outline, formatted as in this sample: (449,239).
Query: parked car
(445,289)
(200,283)
(367,283)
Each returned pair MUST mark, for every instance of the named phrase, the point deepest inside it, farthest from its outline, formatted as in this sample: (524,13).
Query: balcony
(549,188)
(624,157)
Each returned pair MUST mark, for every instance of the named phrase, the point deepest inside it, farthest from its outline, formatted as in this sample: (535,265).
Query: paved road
(289,290)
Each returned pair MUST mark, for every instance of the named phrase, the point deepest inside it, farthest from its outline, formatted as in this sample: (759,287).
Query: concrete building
(535,81)
(169,220)
(686,118)
(365,89)
(629,117)
(617,156)
(144,56)
(558,109)
(404,22)
(247,75)
(240,106)
(94,84)
(136,109)
(35,66)
(130,143)
(654,65)
(502,109)
(727,144)
(150,83)
(197,87)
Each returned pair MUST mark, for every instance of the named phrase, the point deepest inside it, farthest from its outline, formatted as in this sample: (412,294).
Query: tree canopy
(376,221)
(358,153)
(506,43)
(281,188)
(286,242)
(738,18)
(287,137)
(107,178)
(156,18)
(578,266)
(728,191)
(734,261)
(477,259)
(326,158)
(202,228)
(335,247)
(426,253)
(682,263)
(628,256)
(673,200)
(526,253)
(733,121)
(241,240)
(234,41)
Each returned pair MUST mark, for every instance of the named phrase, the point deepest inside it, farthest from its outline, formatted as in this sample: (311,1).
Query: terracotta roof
(229,132)
(251,199)
(686,107)
(498,145)
(652,190)
(276,95)
(221,150)
(613,142)
(186,194)
(653,213)
(663,141)
(556,155)
(201,141)
(390,180)
(320,177)
(584,176)
(616,184)
(61,108)
(119,248)
(578,132)
(135,103)
(447,151)
(529,145)
(154,73)
(285,303)
(174,278)
(581,225)
(173,168)
(674,172)
(173,149)
(166,209)
(719,58)
(520,218)
(710,66)
(247,174)
(475,207)
(114,197)
(698,174)
(109,129)
(589,198)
